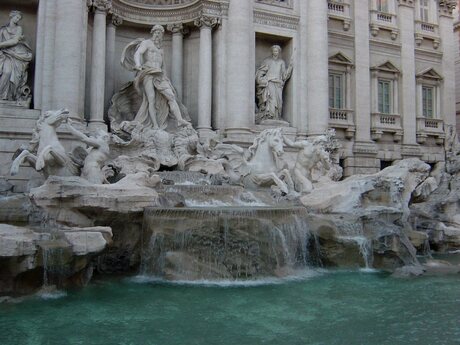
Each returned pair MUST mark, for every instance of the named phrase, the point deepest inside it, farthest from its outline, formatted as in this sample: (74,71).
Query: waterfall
(225,242)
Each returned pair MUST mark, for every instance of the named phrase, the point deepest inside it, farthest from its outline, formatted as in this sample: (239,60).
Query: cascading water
(226,243)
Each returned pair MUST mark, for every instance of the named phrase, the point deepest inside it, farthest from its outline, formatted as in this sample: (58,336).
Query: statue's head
(15,16)
(157,33)
(276,51)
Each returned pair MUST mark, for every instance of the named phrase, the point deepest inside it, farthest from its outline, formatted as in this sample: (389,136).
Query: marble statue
(98,153)
(15,56)
(159,99)
(261,164)
(311,153)
(271,77)
(45,152)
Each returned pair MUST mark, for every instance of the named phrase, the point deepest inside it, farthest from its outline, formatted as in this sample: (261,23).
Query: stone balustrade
(342,119)
(386,123)
(427,127)
(384,21)
(429,31)
(340,10)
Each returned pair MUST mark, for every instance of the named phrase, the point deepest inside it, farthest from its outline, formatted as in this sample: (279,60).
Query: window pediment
(429,74)
(340,59)
(387,67)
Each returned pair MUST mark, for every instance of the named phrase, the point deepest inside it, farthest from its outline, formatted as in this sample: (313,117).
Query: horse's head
(274,138)
(55,117)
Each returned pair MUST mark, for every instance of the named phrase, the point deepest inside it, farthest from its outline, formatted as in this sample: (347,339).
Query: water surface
(324,308)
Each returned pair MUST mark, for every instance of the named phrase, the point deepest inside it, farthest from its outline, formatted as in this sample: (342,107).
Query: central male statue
(159,99)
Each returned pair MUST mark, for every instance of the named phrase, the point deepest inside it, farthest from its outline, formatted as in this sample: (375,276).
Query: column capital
(407,3)
(177,28)
(446,7)
(101,5)
(116,20)
(206,21)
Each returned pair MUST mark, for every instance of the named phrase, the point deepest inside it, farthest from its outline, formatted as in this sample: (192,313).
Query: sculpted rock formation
(15,56)
(24,252)
(372,208)
(270,79)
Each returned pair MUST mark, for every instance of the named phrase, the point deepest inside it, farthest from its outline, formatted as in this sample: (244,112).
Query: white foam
(300,275)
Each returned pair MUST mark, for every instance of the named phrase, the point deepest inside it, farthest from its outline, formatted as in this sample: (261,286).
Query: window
(384,99)
(336,91)
(427,101)
(424,10)
(382,6)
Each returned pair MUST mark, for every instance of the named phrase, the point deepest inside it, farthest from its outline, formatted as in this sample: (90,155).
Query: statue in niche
(156,99)
(15,56)
(271,77)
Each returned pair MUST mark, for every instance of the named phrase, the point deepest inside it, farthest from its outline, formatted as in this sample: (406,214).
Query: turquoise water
(327,308)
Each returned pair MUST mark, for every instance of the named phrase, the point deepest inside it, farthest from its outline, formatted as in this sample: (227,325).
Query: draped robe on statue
(14,61)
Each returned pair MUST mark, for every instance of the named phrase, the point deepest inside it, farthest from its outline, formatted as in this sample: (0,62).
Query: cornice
(183,13)
(276,19)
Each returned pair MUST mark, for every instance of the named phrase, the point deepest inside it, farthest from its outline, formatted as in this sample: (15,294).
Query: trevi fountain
(153,231)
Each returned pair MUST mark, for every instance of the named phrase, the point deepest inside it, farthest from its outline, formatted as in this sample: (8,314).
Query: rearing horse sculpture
(50,156)
(261,164)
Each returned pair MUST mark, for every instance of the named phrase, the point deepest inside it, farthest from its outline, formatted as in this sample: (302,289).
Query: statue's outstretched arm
(81,136)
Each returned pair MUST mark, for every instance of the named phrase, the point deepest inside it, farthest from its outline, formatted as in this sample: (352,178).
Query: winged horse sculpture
(261,165)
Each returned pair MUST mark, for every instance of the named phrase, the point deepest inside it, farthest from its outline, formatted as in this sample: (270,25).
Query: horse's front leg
(23,156)
(285,175)
(263,179)
(50,154)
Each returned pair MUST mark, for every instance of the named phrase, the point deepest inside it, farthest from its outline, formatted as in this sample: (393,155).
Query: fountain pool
(322,307)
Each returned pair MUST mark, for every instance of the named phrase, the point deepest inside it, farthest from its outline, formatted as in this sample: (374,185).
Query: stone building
(381,72)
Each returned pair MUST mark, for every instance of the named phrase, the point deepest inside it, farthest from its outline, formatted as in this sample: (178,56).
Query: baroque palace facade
(380,72)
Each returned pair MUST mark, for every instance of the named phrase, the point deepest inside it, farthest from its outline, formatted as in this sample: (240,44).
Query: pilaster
(317,67)
(406,19)
(446,30)
(240,70)
(177,66)
(205,24)
(98,56)
(113,22)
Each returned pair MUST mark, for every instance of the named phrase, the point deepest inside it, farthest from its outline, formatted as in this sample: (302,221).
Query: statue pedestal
(289,131)
(274,123)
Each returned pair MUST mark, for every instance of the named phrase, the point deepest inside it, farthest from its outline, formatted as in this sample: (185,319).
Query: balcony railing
(342,118)
(340,10)
(429,31)
(386,123)
(384,21)
(427,127)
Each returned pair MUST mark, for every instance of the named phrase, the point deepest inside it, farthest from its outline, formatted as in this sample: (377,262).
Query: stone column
(177,65)
(205,74)
(112,24)
(408,99)
(240,69)
(301,64)
(446,31)
(64,63)
(363,159)
(317,67)
(362,73)
(97,86)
